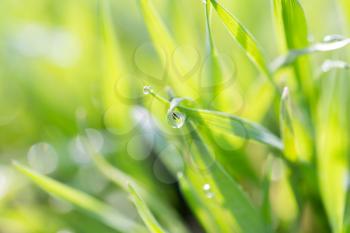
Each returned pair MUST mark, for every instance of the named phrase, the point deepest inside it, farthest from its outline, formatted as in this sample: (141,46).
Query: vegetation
(174,116)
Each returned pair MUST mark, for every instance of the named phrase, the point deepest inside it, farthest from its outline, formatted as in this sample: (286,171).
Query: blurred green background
(76,69)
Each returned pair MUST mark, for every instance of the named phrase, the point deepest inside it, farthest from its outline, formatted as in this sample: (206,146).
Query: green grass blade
(234,125)
(198,206)
(156,28)
(113,64)
(332,148)
(158,205)
(243,37)
(145,213)
(293,55)
(287,129)
(82,200)
(214,75)
(292,25)
(224,121)
(221,194)
(266,211)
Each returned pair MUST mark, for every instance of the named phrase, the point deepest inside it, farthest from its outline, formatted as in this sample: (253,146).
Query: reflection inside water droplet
(207,190)
(147,90)
(176,119)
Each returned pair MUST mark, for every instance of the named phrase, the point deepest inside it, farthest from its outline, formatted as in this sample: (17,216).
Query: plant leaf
(156,28)
(198,205)
(226,122)
(287,128)
(293,55)
(292,26)
(332,148)
(144,212)
(243,37)
(158,205)
(232,210)
(82,200)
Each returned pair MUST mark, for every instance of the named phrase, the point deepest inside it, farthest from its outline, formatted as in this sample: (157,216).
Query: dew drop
(176,119)
(147,90)
(207,190)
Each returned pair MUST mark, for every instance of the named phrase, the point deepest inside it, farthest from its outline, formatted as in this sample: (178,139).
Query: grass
(184,158)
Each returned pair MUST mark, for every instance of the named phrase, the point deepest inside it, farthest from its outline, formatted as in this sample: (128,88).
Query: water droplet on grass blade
(176,119)
(207,190)
(147,90)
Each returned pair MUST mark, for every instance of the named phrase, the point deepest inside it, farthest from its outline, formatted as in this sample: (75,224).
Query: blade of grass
(292,24)
(163,42)
(228,123)
(99,210)
(244,39)
(118,177)
(144,212)
(221,194)
(266,211)
(333,147)
(294,54)
(198,206)
(156,28)
(287,129)
(215,73)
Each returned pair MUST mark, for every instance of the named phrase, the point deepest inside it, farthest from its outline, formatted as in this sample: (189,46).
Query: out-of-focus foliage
(174,116)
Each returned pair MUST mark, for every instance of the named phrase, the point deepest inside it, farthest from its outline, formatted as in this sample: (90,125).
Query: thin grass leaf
(293,55)
(266,211)
(113,64)
(221,194)
(156,28)
(287,129)
(214,75)
(332,148)
(144,212)
(292,26)
(224,121)
(198,206)
(158,205)
(99,210)
(243,37)
(164,43)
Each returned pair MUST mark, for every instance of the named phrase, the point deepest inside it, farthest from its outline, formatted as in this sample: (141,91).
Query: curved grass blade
(296,141)
(96,208)
(287,129)
(293,55)
(144,212)
(113,63)
(118,177)
(332,148)
(292,26)
(232,209)
(198,206)
(157,30)
(244,38)
(214,75)
(227,123)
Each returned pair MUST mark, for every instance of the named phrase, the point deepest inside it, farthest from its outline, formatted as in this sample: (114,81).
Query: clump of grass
(310,140)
